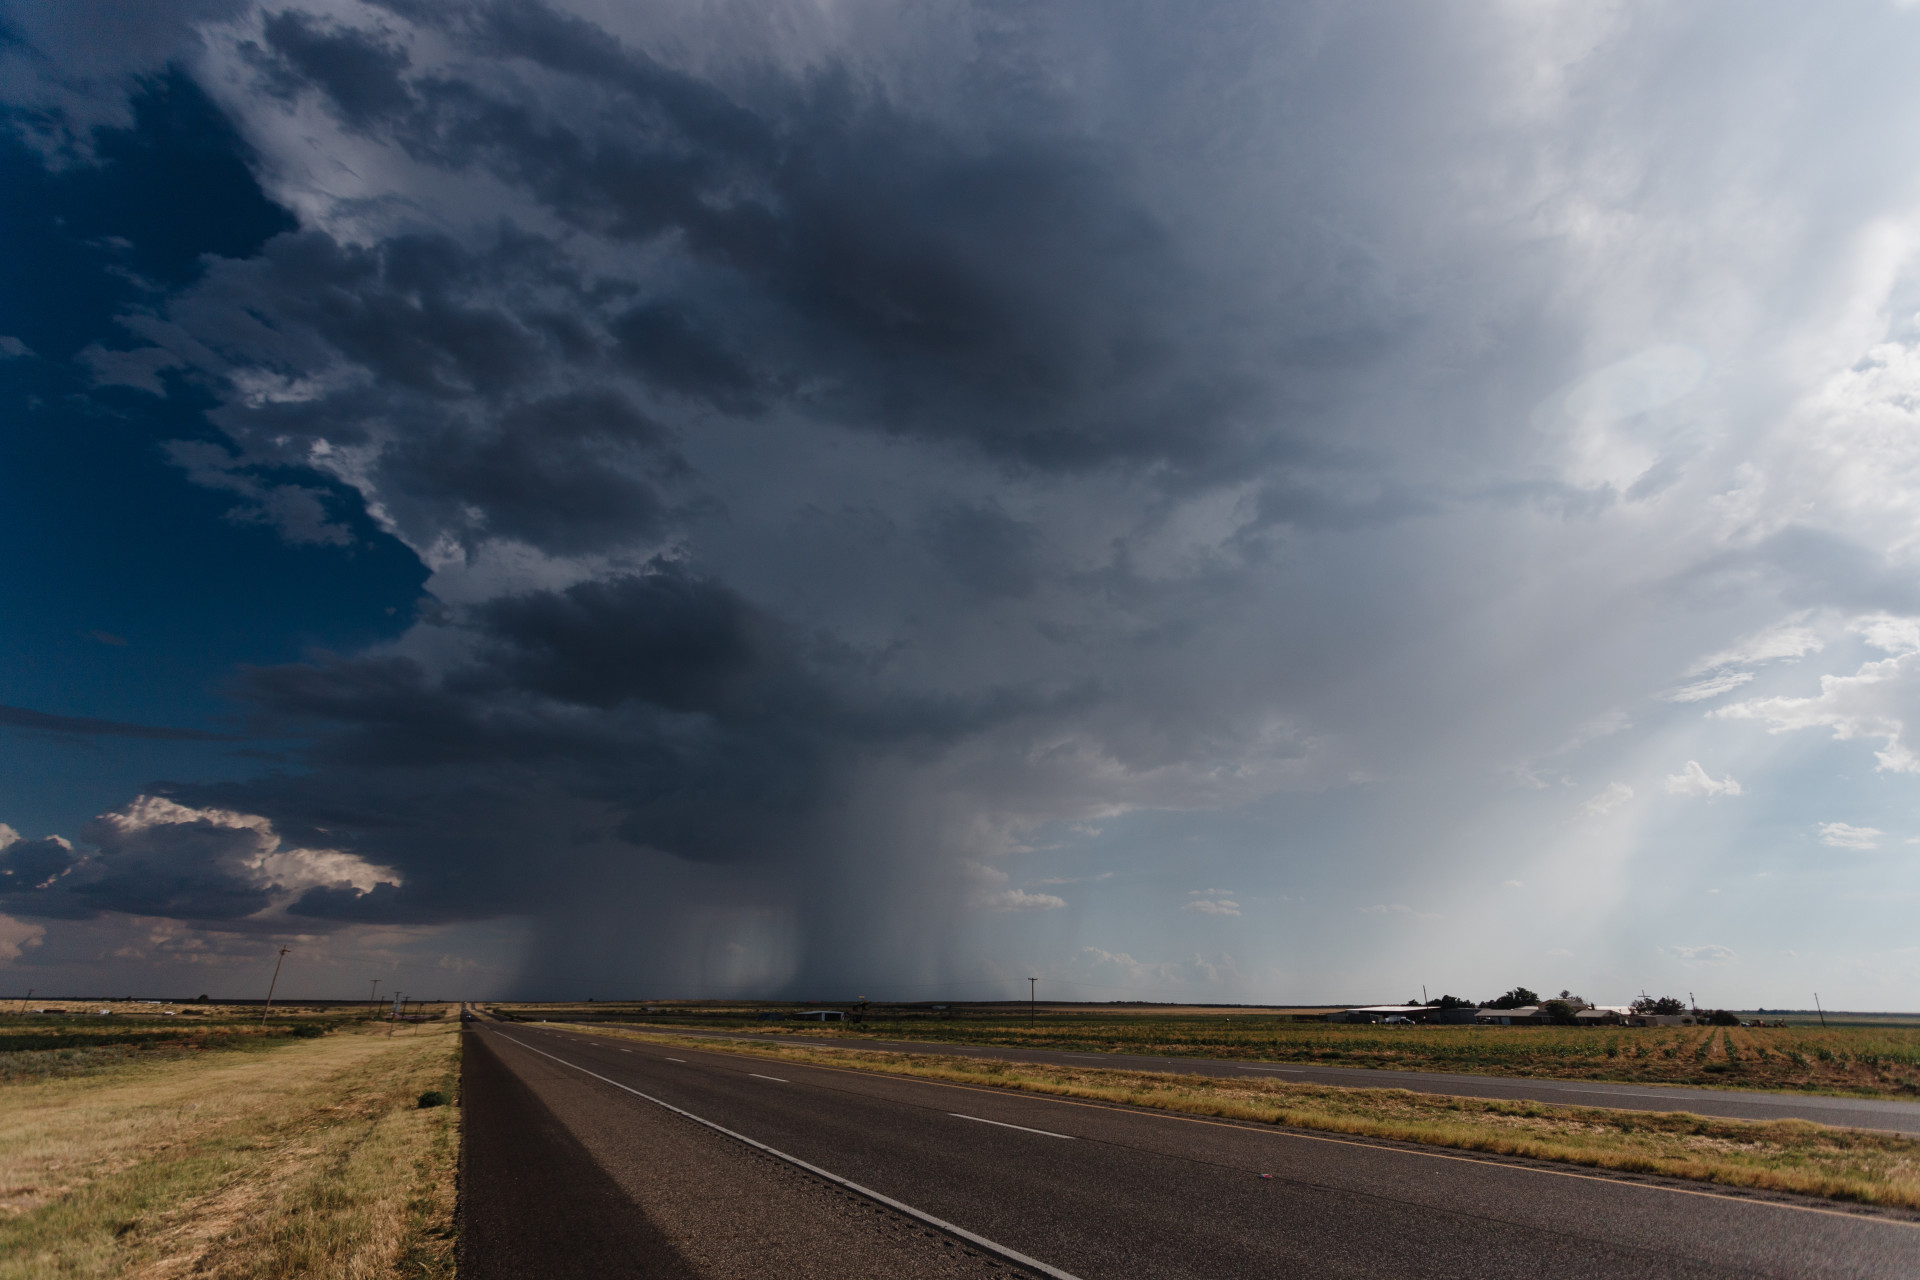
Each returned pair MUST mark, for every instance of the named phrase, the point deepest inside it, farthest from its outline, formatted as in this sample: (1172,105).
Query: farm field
(74,1038)
(225,1149)
(1881,1061)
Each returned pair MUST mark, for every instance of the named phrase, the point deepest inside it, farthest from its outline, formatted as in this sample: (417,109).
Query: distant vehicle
(1396,1020)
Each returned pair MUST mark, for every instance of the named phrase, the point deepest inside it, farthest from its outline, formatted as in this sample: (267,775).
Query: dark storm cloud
(186,871)
(570,472)
(844,258)
(984,548)
(23,718)
(486,396)
(647,714)
(33,866)
(663,638)
(360,76)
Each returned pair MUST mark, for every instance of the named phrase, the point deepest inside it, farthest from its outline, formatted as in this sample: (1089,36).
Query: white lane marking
(681,1061)
(626,1051)
(776,1079)
(998,1250)
(1045,1133)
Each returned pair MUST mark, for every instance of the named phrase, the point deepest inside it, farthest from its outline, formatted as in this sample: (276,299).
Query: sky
(1253,503)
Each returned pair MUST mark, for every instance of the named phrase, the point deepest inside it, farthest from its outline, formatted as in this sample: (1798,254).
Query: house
(1603,1015)
(821,1015)
(1525,1015)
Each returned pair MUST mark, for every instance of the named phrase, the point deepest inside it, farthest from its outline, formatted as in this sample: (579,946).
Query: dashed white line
(1045,1133)
(999,1250)
(776,1079)
(681,1061)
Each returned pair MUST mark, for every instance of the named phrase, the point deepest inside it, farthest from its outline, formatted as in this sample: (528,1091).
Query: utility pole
(271,985)
(1033,999)
(1817,1009)
(1423,993)
(373,1003)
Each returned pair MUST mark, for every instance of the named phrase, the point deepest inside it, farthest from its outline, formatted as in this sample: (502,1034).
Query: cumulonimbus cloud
(845,453)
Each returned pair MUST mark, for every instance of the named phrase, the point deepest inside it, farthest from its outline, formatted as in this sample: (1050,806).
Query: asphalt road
(1858,1113)
(1104,1193)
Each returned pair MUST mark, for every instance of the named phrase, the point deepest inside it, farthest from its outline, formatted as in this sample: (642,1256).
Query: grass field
(1790,1155)
(79,1041)
(1866,1061)
(228,1152)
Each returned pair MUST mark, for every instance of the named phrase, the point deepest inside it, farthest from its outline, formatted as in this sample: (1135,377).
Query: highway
(856,1175)
(1733,1104)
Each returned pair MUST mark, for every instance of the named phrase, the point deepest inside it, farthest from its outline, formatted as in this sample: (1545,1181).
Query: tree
(1664,1005)
(1515,999)
(1560,1012)
(1450,1002)
(1725,1018)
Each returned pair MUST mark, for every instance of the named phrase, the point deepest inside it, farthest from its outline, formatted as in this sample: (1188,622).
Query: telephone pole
(373,1003)
(1817,1009)
(1033,999)
(265,1009)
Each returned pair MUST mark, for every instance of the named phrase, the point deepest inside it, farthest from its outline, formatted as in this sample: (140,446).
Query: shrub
(1518,998)
(433,1098)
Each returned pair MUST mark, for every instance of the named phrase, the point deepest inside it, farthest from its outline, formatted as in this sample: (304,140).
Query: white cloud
(1213,907)
(1844,835)
(1783,641)
(1398,909)
(1696,781)
(12,348)
(1616,794)
(990,891)
(1712,687)
(8,835)
(1211,893)
(1021,900)
(17,935)
(1708,953)
(1876,701)
(1512,884)
(267,859)
(1604,725)
(1135,969)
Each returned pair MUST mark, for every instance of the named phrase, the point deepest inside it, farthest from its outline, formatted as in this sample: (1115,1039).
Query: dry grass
(1861,1061)
(310,1158)
(1785,1155)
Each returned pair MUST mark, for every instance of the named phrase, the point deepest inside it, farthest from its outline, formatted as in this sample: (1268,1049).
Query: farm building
(1382,1012)
(1525,1015)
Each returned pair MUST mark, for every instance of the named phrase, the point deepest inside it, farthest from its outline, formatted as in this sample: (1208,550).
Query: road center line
(1045,1133)
(998,1250)
(776,1079)
(681,1061)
